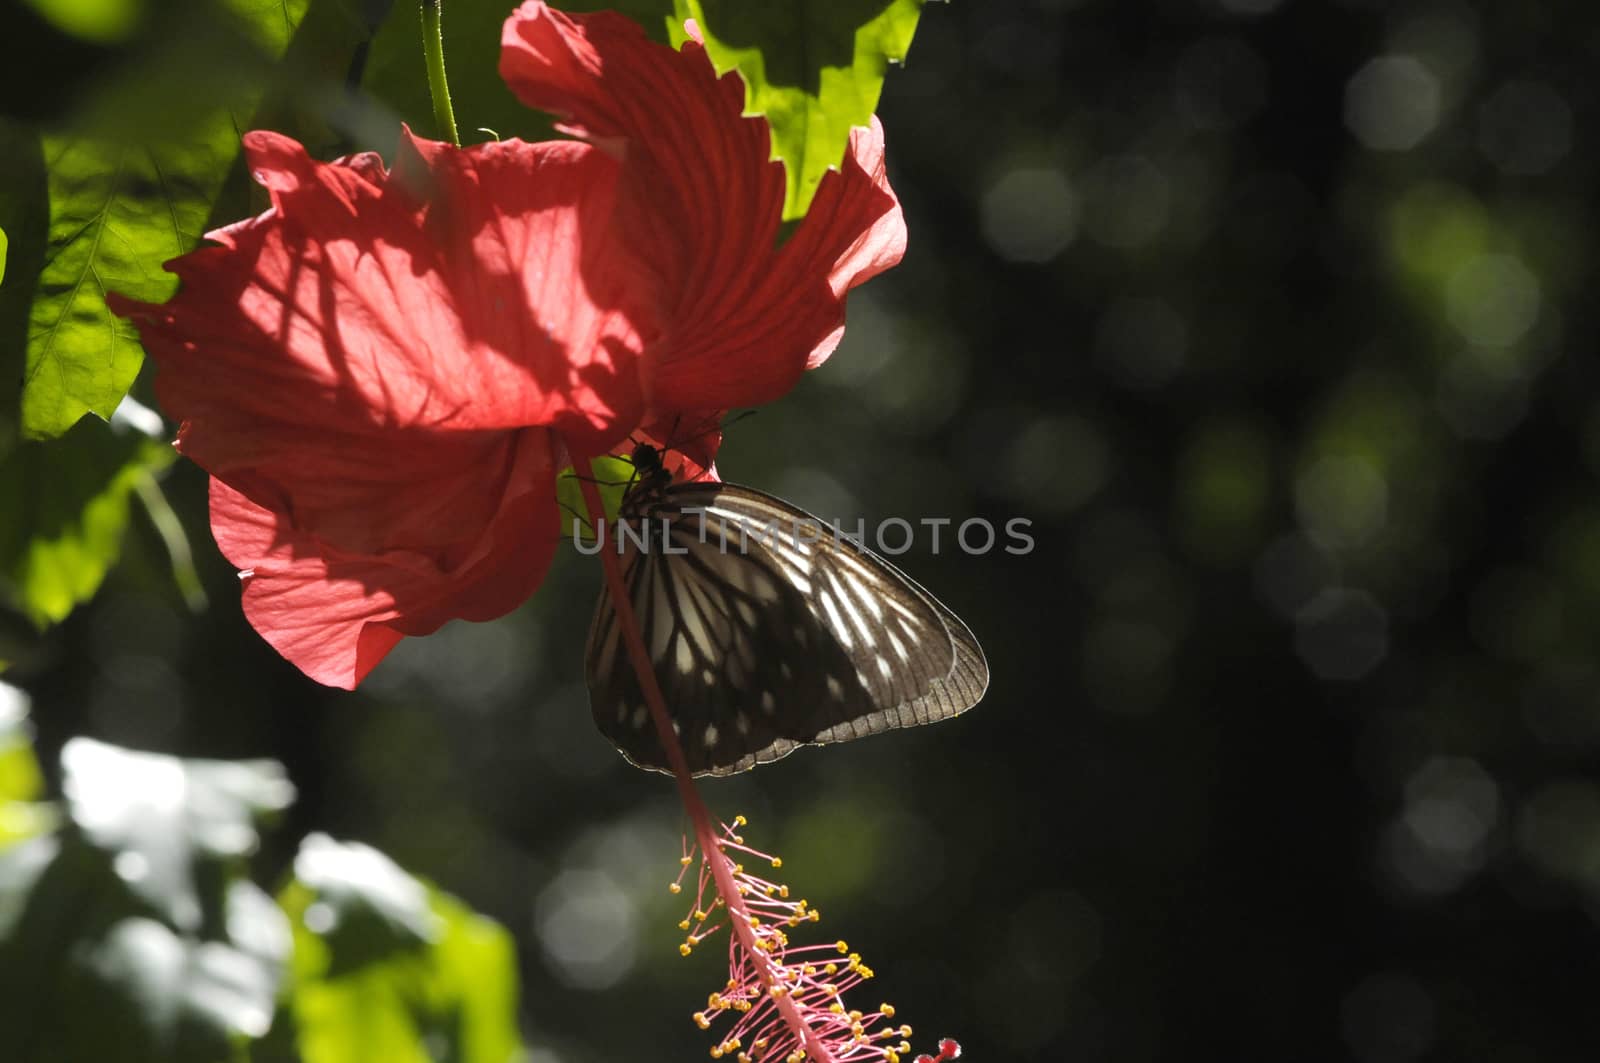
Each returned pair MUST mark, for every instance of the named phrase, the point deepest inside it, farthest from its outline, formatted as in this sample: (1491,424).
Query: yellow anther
(905,1031)
(685,861)
(836,1007)
(673,887)
(777,861)
(738,869)
(842,946)
(815,915)
(903,1046)
(886,1010)
(891,1056)
(770,890)
(783,891)
(855,1015)
(701,1021)
(740,821)
(744,891)
(831,989)
(684,925)
(864,971)
(832,968)
(755,921)
(716,1053)
(685,949)
(760,1045)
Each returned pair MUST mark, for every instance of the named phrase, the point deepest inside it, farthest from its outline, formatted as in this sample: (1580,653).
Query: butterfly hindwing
(766,630)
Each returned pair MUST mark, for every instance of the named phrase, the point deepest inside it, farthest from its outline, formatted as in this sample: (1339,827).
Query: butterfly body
(767,630)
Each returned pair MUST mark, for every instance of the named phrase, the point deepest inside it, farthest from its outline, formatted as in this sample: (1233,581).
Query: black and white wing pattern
(764,639)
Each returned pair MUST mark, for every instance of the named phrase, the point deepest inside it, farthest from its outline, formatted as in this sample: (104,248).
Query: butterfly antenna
(579,517)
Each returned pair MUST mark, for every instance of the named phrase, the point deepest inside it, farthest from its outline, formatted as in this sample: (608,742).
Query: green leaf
(662,20)
(814,68)
(138,914)
(612,476)
(117,212)
(67,505)
(22,814)
(4,244)
(387,967)
(163,815)
(130,185)
(101,21)
(20,778)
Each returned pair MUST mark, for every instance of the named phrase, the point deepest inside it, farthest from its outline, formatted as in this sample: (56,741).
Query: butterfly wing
(766,631)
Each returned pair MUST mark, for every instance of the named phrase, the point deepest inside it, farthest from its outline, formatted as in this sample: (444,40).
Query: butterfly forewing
(767,630)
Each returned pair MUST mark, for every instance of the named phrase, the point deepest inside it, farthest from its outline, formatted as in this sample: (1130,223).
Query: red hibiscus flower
(384,371)
(742,314)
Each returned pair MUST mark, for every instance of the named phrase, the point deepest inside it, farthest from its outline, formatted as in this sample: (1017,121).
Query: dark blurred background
(1273,318)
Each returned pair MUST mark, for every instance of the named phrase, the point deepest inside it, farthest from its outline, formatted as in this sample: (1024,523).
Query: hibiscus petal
(335,614)
(354,306)
(700,200)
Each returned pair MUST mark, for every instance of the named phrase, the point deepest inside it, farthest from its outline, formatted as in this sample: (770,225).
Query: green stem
(170,528)
(433,55)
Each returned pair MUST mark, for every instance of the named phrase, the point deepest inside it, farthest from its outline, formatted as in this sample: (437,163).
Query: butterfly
(767,630)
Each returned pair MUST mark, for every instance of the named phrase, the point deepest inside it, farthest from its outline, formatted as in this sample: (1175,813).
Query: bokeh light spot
(1388,1018)
(1392,103)
(1525,128)
(1342,502)
(1291,572)
(1493,300)
(1128,200)
(1030,215)
(1342,634)
(1559,832)
(1056,464)
(586,927)
(1440,839)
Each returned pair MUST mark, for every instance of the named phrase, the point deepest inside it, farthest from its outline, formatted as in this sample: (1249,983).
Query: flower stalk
(433,56)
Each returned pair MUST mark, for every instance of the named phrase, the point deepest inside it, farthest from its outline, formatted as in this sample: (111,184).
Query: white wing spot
(784,670)
(742,723)
(709,677)
(769,704)
(676,730)
(840,630)
(835,691)
(685,656)
(883,666)
(899,647)
(711,735)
